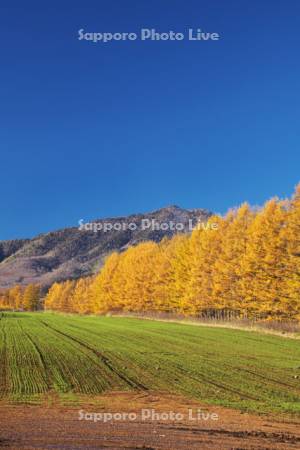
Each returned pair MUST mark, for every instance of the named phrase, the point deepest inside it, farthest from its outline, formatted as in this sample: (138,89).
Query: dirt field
(58,427)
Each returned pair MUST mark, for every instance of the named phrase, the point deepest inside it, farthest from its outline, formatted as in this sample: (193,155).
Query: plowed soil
(57,426)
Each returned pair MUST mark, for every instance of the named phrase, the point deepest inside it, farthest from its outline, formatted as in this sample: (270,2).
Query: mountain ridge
(71,252)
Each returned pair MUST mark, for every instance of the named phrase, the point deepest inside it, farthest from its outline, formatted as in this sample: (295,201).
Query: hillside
(71,253)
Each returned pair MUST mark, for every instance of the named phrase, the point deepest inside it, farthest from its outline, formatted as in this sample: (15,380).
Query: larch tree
(103,288)
(227,268)
(31,297)
(263,264)
(291,277)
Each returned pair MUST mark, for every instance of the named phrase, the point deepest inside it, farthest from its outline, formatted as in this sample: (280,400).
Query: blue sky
(95,130)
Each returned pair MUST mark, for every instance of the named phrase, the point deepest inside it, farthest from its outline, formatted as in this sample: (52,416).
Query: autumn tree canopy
(247,264)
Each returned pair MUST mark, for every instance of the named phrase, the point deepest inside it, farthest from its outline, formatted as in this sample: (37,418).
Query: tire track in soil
(42,359)
(80,350)
(268,379)
(276,437)
(101,356)
(133,384)
(221,386)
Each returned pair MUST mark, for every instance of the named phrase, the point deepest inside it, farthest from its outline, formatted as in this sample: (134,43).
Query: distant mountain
(74,252)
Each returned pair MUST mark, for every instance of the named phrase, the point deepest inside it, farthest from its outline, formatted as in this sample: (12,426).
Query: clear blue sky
(91,130)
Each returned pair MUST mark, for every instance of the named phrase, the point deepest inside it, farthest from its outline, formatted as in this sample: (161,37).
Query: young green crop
(44,353)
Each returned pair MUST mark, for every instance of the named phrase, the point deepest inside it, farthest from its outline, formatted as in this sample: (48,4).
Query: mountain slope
(73,252)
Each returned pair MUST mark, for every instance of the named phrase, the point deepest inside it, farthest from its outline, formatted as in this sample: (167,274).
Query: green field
(43,353)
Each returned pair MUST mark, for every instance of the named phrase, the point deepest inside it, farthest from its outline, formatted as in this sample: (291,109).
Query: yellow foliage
(246,263)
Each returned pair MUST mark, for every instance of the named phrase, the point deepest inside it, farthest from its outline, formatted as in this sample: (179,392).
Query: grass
(44,353)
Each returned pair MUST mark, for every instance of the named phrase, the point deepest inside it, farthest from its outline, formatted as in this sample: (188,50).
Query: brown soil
(57,426)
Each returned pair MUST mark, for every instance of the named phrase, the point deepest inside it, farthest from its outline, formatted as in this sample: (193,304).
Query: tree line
(21,298)
(246,263)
